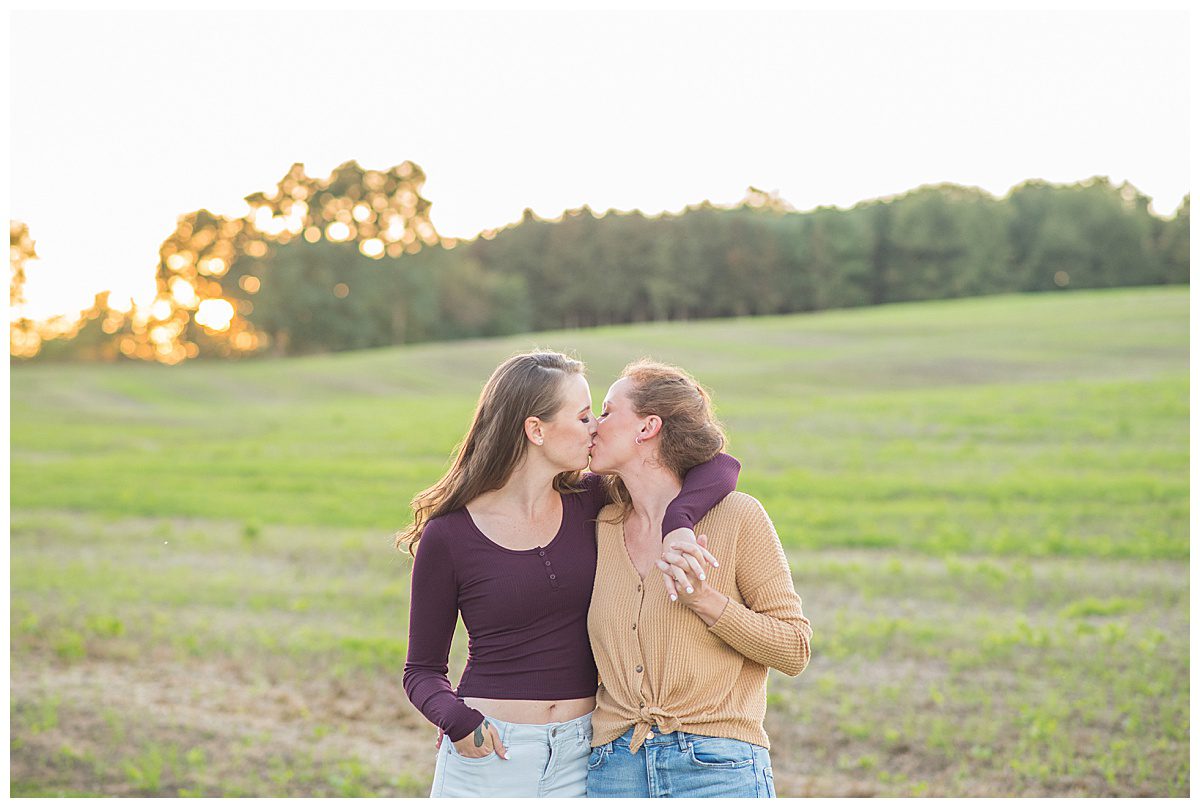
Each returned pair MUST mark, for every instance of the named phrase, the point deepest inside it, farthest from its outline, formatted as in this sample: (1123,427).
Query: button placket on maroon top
(552,577)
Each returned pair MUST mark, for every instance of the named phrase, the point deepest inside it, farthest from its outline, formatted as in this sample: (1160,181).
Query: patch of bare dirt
(244,720)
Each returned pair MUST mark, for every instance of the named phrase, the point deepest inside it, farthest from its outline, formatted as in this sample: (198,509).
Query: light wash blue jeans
(544,760)
(680,764)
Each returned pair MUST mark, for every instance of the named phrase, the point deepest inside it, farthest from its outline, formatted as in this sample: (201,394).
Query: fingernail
(715,564)
(673,598)
(689,590)
(702,576)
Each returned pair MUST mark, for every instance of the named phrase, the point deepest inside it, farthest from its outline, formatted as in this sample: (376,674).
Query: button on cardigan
(673,672)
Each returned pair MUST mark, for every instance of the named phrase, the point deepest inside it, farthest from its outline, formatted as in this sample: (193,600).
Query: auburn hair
(690,432)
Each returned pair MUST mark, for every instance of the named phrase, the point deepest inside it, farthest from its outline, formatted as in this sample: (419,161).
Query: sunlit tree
(24,340)
(212,270)
(758,199)
(88,336)
(20,250)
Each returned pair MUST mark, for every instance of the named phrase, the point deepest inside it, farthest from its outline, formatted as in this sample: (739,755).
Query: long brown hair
(523,386)
(690,432)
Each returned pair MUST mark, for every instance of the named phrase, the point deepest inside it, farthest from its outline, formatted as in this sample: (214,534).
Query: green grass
(1033,441)
(985,503)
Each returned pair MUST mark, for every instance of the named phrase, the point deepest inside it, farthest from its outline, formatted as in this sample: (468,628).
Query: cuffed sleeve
(703,487)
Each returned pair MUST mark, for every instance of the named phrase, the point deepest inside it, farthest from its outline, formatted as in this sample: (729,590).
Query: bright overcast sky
(121,121)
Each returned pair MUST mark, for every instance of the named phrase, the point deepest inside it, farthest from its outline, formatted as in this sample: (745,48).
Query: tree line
(353,261)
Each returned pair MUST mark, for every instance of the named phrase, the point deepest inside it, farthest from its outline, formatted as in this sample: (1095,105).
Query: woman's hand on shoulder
(482,742)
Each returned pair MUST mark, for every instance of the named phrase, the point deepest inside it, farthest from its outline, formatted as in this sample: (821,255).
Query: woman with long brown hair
(507,539)
(683,637)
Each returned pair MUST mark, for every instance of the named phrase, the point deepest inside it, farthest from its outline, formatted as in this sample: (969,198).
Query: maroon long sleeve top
(525,610)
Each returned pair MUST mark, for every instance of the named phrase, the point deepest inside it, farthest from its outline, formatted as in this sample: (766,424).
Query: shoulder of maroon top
(437,531)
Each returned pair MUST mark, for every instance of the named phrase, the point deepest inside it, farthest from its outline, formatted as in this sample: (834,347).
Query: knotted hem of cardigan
(646,720)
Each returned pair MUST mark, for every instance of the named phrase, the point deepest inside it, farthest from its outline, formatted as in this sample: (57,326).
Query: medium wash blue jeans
(680,764)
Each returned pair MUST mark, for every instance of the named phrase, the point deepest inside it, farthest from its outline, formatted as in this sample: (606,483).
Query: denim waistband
(575,729)
(657,739)
(678,738)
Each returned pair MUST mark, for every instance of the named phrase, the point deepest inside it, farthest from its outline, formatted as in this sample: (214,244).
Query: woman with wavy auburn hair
(507,539)
(683,654)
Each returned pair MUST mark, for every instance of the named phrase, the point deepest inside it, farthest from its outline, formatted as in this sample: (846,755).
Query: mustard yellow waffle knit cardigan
(661,668)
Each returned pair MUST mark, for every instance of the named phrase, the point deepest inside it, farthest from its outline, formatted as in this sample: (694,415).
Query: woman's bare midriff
(520,711)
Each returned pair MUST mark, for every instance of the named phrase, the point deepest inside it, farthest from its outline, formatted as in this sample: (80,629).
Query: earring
(638,440)
(539,442)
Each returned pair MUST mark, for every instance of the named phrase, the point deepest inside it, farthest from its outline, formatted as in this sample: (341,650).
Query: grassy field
(985,503)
